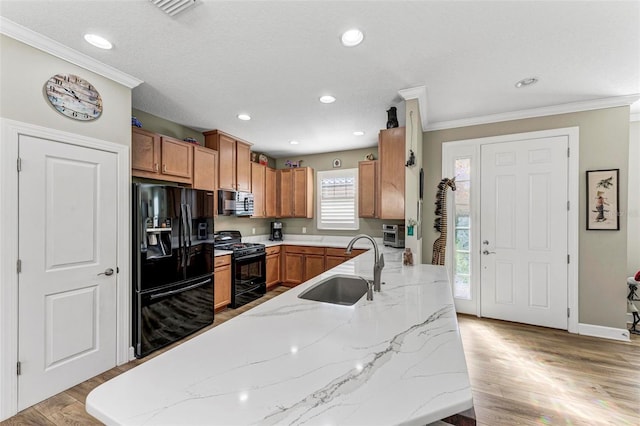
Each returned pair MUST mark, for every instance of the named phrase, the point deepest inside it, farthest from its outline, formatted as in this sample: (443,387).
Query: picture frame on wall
(603,191)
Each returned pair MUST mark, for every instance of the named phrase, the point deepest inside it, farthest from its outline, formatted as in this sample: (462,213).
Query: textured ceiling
(274,59)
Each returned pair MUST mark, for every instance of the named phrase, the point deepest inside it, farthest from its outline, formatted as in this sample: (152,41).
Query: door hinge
(19,266)
(117,269)
(568,205)
(568,152)
(19,164)
(18,368)
(568,312)
(568,258)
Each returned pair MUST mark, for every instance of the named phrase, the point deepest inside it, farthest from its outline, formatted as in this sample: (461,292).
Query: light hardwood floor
(520,375)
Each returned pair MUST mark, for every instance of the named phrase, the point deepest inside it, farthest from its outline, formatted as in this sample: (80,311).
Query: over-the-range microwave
(235,203)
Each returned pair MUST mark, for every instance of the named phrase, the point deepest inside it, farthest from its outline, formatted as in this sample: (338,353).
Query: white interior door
(67,246)
(523,231)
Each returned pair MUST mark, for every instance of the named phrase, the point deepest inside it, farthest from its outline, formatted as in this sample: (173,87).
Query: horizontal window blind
(337,199)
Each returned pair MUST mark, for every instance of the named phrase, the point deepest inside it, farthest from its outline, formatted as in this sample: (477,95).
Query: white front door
(67,241)
(523,231)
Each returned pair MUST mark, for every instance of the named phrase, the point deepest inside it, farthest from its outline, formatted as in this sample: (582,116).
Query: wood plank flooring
(520,375)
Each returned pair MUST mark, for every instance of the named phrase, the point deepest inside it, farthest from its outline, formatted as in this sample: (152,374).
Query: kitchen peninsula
(397,359)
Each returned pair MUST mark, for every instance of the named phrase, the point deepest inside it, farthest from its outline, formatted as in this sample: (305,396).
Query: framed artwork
(602,200)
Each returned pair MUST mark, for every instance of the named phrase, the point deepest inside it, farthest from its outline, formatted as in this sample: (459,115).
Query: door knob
(107,272)
(486,252)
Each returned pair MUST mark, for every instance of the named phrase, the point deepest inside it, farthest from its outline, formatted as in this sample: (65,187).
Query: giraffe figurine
(440,224)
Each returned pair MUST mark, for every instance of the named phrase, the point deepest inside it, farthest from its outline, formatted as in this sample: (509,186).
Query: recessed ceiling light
(358,133)
(526,82)
(327,99)
(244,117)
(294,142)
(98,41)
(352,37)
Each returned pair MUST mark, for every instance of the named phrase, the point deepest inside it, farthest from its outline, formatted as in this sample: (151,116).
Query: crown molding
(419,93)
(52,47)
(601,103)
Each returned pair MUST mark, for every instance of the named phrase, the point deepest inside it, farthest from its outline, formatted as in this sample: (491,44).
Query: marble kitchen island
(395,360)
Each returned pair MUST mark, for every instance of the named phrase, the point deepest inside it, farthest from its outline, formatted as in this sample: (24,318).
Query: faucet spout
(379,258)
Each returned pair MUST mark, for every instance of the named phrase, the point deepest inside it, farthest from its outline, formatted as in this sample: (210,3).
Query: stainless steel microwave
(235,203)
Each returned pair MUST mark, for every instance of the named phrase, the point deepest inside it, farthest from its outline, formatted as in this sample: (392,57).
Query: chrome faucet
(379,259)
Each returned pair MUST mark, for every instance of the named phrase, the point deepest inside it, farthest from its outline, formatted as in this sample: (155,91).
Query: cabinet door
(285,188)
(273,270)
(391,166)
(270,193)
(333,261)
(367,188)
(205,168)
(226,163)
(243,167)
(177,159)
(145,152)
(313,265)
(258,175)
(303,192)
(293,268)
(222,287)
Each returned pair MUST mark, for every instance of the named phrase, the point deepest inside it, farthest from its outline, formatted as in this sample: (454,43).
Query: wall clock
(74,97)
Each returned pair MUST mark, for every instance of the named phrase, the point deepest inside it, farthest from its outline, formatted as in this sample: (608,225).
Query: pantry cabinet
(295,187)
(160,157)
(391,156)
(234,160)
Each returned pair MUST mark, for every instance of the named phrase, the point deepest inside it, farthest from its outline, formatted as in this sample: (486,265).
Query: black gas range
(249,265)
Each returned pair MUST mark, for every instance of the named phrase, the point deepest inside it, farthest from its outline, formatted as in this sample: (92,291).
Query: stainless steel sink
(338,289)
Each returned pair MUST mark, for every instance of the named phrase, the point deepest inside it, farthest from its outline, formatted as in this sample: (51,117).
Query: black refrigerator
(172,264)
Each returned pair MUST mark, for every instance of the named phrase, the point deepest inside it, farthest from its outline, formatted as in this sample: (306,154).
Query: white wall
(633,215)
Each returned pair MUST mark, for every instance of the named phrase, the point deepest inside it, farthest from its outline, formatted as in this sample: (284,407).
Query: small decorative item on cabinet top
(369,156)
(135,122)
(392,118)
(191,140)
(263,159)
(337,163)
(292,164)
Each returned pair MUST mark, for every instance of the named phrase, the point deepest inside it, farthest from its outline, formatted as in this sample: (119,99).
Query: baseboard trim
(621,334)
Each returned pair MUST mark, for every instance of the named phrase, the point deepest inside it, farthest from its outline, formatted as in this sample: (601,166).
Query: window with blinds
(338,199)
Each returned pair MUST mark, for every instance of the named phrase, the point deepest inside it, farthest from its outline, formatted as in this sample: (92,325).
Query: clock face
(74,97)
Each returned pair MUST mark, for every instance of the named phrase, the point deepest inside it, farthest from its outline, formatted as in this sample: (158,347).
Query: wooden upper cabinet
(243,166)
(160,157)
(145,151)
(285,189)
(270,193)
(367,188)
(205,168)
(391,153)
(234,160)
(303,192)
(258,176)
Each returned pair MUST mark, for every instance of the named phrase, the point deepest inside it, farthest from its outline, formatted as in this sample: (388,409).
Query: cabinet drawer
(222,260)
(272,250)
(304,250)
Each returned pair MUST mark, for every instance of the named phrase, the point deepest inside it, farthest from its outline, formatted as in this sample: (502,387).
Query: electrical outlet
(304,229)
(253,231)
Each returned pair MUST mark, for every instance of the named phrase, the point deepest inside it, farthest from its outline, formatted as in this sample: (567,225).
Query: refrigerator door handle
(183,234)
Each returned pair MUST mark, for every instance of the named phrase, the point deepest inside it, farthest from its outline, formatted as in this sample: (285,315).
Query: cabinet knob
(164,168)
(155,167)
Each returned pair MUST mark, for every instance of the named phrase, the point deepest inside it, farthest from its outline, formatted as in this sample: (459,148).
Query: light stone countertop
(395,360)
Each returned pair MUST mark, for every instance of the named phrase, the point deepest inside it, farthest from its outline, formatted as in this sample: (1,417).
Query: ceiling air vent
(173,7)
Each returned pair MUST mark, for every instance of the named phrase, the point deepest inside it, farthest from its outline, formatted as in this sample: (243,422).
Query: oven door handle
(250,257)
(180,290)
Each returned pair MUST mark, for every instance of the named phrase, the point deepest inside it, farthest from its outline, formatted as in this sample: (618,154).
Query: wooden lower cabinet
(313,265)
(336,256)
(222,281)
(301,263)
(333,261)
(273,266)
(292,268)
